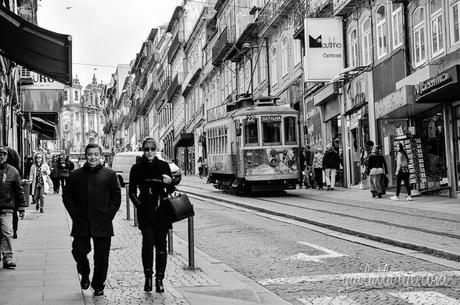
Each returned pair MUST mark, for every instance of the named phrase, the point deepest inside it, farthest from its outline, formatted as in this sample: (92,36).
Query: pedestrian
(38,177)
(402,173)
(65,167)
(14,160)
(331,164)
(308,167)
(11,197)
(55,174)
(377,171)
(153,179)
(200,167)
(28,161)
(302,167)
(318,168)
(92,198)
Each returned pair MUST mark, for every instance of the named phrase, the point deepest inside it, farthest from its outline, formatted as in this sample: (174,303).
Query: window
(251,137)
(455,22)
(297,52)
(437,32)
(271,133)
(353,41)
(419,36)
(397,26)
(66,95)
(366,41)
(274,70)
(285,57)
(263,65)
(290,134)
(381,32)
(76,96)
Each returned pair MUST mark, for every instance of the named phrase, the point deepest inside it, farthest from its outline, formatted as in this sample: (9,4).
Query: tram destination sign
(271,118)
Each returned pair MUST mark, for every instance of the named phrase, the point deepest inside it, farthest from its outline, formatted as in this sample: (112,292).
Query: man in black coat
(153,179)
(92,198)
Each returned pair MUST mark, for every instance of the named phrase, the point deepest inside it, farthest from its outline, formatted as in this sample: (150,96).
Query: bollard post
(170,242)
(191,245)
(128,208)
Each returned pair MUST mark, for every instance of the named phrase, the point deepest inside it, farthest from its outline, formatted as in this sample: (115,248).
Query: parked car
(122,163)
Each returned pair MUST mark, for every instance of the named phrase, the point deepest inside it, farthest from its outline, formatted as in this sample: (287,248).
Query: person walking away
(39,182)
(331,164)
(402,173)
(302,167)
(152,177)
(318,168)
(200,167)
(377,171)
(11,197)
(15,161)
(54,175)
(92,198)
(308,167)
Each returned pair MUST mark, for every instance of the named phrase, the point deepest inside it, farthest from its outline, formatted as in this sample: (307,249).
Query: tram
(253,145)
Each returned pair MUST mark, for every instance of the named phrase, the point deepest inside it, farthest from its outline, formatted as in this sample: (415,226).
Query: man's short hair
(369,143)
(149,140)
(93,145)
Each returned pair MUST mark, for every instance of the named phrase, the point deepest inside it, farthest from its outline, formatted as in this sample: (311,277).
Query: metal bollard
(170,242)
(191,245)
(128,207)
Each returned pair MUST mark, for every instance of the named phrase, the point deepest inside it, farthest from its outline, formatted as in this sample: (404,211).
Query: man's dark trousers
(81,246)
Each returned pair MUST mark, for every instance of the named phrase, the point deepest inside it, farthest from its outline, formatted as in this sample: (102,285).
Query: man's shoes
(159,285)
(84,282)
(8,264)
(148,283)
(98,292)
(396,198)
(15,235)
(41,210)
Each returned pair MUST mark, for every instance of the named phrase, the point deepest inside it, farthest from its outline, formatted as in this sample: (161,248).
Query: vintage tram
(253,145)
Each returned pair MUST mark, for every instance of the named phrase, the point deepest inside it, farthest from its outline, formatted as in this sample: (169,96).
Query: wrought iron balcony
(148,98)
(344,7)
(175,45)
(174,88)
(272,11)
(223,44)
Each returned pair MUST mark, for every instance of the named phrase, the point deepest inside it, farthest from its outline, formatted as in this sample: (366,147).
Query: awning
(44,124)
(35,48)
(185,140)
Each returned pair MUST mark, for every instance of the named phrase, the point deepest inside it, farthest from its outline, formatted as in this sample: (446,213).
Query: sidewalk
(46,272)
(428,224)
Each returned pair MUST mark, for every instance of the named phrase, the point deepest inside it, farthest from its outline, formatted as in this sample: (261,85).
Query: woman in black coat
(377,170)
(153,179)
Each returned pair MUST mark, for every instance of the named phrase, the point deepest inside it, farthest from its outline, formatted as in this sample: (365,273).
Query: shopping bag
(179,207)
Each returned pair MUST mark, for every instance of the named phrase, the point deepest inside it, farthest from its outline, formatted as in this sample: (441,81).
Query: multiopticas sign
(432,83)
(324,54)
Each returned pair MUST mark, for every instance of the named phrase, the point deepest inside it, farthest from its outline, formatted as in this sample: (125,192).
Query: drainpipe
(267,58)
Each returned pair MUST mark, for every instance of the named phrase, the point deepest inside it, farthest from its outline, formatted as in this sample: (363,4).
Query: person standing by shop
(11,198)
(54,175)
(377,171)
(318,168)
(200,167)
(38,177)
(153,179)
(308,167)
(331,164)
(92,198)
(402,173)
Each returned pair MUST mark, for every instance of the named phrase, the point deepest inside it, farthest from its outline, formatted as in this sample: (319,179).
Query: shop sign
(324,49)
(271,118)
(217,113)
(432,83)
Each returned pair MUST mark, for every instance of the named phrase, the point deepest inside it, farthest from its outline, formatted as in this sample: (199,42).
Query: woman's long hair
(403,151)
(35,159)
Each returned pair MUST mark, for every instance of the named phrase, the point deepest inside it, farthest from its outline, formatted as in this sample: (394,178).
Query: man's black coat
(92,196)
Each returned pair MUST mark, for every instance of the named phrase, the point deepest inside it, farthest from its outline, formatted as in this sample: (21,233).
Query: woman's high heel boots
(159,285)
(148,281)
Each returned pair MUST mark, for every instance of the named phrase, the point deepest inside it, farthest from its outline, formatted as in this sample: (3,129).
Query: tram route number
(251,118)
(271,118)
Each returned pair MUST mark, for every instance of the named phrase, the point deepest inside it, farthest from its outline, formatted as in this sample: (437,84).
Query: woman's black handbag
(179,207)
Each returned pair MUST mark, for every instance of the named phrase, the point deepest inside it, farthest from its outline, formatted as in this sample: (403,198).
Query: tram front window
(251,137)
(271,133)
(290,130)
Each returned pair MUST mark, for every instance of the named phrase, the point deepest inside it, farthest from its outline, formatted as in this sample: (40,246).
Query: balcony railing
(175,45)
(223,44)
(274,9)
(174,88)
(148,98)
(344,7)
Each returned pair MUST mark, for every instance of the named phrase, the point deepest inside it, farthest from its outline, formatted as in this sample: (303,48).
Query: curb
(394,242)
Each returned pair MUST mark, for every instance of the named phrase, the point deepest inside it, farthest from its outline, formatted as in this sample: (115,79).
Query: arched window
(285,56)
(366,41)
(437,27)
(397,25)
(418,35)
(274,69)
(353,46)
(381,31)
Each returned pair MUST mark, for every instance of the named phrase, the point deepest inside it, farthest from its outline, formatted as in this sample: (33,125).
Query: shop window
(251,135)
(437,27)
(366,41)
(271,133)
(381,32)
(418,36)
(455,22)
(290,134)
(353,41)
(397,26)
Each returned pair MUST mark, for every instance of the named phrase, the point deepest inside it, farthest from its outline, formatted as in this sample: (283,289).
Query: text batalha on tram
(252,145)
